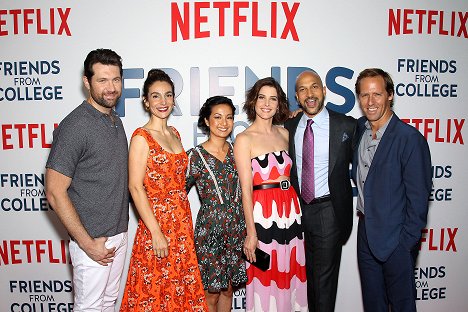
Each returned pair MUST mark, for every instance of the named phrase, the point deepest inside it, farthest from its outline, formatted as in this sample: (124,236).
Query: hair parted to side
(103,56)
(252,95)
(376,72)
(205,110)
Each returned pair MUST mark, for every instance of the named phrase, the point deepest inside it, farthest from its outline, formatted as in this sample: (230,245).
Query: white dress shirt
(321,129)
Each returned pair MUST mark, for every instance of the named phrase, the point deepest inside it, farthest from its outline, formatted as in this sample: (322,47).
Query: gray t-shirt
(93,151)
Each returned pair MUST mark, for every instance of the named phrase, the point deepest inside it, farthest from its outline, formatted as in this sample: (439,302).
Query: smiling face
(267,102)
(220,121)
(160,99)
(310,93)
(105,86)
(375,101)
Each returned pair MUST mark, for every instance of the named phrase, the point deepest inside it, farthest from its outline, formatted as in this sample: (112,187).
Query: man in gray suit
(327,217)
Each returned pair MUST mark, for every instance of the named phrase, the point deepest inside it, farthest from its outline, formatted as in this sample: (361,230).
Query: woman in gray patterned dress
(220,225)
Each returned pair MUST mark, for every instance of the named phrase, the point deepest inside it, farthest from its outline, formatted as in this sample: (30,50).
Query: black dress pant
(323,255)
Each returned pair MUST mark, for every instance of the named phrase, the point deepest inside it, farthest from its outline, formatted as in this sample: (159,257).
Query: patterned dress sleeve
(193,172)
(237,197)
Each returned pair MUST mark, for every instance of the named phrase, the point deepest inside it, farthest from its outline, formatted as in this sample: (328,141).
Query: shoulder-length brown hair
(252,95)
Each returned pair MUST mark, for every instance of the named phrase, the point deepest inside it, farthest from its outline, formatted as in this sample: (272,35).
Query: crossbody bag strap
(211,174)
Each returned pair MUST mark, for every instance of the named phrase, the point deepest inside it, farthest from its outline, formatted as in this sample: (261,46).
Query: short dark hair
(205,110)
(103,56)
(154,75)
(375,72)
(251,98)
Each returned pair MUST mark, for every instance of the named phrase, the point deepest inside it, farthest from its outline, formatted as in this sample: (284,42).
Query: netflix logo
(34,135)
(204,19)
(439,130)
(442,239)
(427,22)
(52,21)
(34,251)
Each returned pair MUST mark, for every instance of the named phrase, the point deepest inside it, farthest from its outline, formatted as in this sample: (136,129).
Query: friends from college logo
(231,82)
(429,281)
(23,192)
(430,78)
(441,176)
(30,81)
(40,295)
(238,300)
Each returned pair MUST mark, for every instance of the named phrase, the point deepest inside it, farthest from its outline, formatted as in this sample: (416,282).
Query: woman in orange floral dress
(163,273)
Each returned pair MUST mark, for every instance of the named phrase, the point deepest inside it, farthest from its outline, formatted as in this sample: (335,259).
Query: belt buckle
(285,184)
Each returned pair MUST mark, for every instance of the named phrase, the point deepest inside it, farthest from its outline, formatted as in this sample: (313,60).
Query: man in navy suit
(392,171)
(328,218)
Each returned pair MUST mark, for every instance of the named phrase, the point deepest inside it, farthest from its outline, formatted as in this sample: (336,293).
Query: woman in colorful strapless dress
(271,206)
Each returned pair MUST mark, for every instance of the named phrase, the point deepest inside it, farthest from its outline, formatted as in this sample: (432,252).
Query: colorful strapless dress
(277,217)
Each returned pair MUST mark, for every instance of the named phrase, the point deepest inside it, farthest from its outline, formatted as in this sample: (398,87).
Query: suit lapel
(385,144)
(359,133)
(292,133)
(335,140)
(333,144)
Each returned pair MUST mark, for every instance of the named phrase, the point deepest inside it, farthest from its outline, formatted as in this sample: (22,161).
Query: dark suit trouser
(323,255)
(387,283)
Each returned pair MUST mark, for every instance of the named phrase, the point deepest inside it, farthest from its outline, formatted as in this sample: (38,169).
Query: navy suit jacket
(397,188)
(342,133)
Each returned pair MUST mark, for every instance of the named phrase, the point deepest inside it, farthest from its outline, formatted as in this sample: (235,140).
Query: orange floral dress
(172,283)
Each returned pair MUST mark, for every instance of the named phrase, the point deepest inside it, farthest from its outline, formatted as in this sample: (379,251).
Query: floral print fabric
(172,283)
(220,225)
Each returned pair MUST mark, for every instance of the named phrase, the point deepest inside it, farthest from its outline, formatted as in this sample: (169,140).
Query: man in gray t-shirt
(87,184)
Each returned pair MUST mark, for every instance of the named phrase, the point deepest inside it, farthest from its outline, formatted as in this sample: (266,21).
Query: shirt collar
(95,112)
(381,131)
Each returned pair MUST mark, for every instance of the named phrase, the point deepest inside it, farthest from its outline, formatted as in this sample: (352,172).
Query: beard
(99,99)
(312,111)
